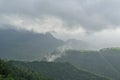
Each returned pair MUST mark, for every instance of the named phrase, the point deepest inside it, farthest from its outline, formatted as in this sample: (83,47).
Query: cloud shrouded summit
(63,18)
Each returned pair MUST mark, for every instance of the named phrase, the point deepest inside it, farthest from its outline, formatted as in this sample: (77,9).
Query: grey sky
(88,20)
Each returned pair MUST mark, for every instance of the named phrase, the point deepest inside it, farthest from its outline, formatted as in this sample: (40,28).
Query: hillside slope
(104,62)
(25,45)
(58,71)
(10,72)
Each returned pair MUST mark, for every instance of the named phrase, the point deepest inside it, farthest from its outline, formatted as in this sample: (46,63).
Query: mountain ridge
(59,71)
(26,45)
(104,61)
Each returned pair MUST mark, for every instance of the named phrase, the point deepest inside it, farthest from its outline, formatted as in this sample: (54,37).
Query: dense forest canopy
(10,72)
(18,70)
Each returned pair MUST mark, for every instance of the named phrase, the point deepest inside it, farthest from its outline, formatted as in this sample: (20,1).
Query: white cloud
(95,21)
(92,15)
(42,25)
(105,38)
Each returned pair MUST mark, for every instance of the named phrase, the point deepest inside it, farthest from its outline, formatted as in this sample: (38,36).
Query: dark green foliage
(10,72)
(20,73)
(5,72)
(58,71)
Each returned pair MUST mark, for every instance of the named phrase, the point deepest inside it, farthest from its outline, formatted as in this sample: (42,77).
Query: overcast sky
(95,21)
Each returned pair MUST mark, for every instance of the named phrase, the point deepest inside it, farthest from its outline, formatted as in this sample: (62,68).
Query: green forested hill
(10,72)
(105,62)
(58,71)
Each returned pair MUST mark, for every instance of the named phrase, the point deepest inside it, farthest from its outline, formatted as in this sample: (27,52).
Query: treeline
(9,72)
(105,62)
(20,70)
(58,70)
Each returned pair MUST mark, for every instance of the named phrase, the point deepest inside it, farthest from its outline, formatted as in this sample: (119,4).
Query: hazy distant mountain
(58,71)
(104,62)
(24,45)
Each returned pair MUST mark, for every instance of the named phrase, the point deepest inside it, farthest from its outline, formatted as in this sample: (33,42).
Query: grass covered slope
(58,71)
(104,62)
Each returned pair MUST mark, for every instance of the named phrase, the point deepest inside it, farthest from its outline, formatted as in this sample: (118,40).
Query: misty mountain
(58,71)
(104,62)
(25,45)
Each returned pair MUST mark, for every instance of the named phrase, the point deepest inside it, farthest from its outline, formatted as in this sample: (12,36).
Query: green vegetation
(5,73)
(111,49)
(104,62)
(58,71)
(10,72)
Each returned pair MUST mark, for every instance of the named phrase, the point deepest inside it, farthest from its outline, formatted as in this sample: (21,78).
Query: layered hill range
(30,46)
(26,45)
(57,71)
(104,62)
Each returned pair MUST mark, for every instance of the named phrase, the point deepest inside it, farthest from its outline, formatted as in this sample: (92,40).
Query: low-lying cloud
(81,19)
(90,14)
